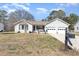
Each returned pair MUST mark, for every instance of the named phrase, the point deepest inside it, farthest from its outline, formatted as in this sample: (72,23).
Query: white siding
(16,28)
(76,27)
(21,30)
(30,28)
(1,27)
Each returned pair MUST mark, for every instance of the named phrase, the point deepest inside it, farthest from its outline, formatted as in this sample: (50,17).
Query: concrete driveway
(74,41)
(60,37)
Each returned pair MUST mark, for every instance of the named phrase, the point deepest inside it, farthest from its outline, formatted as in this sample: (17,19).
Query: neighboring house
(1,27)
(29,26)
(54,26)
(76,27)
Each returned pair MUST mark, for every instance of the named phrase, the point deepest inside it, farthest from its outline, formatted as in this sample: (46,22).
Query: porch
(38,28)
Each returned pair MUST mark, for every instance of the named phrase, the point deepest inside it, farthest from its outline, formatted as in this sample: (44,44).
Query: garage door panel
(51,30)
(61,30)
(56,30)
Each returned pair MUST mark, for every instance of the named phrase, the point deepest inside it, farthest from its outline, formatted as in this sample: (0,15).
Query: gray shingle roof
(31,22)
(23,21)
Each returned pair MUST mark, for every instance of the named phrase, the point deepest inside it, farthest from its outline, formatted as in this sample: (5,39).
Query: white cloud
(41,10)
(11,10)
(47,11)
(68,4)
(24,7)
(73,4)
(5,7)
(15,7)
(21,6)
(56,9)
(28,4)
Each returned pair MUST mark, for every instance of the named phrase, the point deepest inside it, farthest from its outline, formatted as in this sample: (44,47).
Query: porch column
(19,27)
(35,28)
(24,29)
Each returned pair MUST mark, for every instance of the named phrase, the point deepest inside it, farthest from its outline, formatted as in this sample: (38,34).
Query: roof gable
(21,21)
(58,20)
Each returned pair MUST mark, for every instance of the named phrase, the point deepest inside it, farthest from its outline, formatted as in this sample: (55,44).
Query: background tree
(16,16)
(3,15)
(56,14)
(71,19)
(20,14)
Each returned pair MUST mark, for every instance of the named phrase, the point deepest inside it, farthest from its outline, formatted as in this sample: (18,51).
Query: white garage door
(56,30)
(61,30)
(51,30)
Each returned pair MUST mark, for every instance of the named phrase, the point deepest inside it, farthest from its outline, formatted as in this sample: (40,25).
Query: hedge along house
(25,26)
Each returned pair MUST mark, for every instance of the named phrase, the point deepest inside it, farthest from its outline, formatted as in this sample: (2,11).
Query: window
(22,27)
(77,28)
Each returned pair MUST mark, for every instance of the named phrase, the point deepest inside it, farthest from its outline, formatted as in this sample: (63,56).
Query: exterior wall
(76,27)
(23,31)
(16,28)
(30,28)
(1,27)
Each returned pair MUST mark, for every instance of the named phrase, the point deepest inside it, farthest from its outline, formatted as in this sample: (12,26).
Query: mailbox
(71,35)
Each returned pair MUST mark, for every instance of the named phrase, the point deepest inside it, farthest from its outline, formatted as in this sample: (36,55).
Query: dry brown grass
(31,44)
(77,33)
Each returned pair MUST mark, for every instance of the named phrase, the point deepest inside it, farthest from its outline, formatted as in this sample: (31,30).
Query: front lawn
(31,44)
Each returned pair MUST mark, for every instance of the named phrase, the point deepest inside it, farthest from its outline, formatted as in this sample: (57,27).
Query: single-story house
(55,26)
(1,27)
(29,26)
(76,27)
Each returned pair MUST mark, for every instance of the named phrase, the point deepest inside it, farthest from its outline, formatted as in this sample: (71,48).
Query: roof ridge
(59,20)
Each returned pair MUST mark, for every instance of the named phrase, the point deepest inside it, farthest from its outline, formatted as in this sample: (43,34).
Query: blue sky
(41,10)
